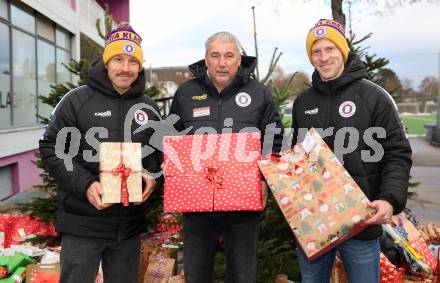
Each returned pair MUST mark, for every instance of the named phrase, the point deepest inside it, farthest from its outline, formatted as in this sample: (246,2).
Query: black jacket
(198,104)
(96,104)
(321,106)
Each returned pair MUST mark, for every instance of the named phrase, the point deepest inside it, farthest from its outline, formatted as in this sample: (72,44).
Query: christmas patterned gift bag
(160,269)
(215,172)
(120,167)
(151,248)
(321,202)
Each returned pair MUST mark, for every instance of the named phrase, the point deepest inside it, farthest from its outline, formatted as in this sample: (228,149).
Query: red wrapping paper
(217,172)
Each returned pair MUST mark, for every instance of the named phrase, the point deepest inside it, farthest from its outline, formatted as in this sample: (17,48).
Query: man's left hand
(149,188)
(384,211)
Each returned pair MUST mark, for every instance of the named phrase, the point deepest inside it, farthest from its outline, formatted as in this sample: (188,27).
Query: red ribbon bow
(125,172)
(213,174)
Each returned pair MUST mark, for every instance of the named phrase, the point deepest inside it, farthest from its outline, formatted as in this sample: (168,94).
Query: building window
(32,50)
(4,11)
(23,18)
(62,38)
(63,75)
(45,74)
(6,183)
(45,28)
(24,79)
(5,79)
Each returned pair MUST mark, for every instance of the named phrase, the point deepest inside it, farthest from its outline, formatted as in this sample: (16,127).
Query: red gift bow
(213,174)
(125,172)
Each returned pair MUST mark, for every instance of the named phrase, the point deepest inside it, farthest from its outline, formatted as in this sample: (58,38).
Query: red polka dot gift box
(212,172)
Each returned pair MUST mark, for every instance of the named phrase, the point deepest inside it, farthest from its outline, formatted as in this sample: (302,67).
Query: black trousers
(80,258)
(201,233)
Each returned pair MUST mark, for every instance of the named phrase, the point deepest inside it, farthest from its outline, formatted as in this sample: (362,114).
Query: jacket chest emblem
(347,109)
(140,117)
(243,99)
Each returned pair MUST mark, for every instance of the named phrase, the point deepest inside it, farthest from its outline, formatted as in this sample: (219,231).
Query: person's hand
(264,190)
(94,194)
(149,188)
(384,211)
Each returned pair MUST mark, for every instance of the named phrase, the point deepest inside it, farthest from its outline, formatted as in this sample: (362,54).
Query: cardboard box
(120,167)
(215,172)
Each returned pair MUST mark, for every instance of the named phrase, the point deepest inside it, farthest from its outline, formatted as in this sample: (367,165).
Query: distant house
(167,78)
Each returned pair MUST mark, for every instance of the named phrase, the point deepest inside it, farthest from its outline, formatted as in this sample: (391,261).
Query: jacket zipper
(122,119)
(220,114)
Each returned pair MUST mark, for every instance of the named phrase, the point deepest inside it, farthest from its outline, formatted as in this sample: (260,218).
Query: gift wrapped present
(339,275)
(12,263)
(17,228)
(47,273)
(430,233)
(168,223)
(215,172)
(180,278)
(152,248)
(319,199)
(120,167)
(389,273)
(415,243)
(18,276)
(160,269)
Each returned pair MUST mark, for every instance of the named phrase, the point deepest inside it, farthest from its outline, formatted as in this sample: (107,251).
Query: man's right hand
(94,194)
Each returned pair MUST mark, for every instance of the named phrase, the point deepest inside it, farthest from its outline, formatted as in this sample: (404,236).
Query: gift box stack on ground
(417,263)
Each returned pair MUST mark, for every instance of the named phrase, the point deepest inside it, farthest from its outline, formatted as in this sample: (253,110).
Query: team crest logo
(140,117)
(347,109)
(129,48)
(243,99)
(320,32)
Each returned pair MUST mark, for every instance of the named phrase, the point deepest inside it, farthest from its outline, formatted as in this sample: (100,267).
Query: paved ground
(426,170)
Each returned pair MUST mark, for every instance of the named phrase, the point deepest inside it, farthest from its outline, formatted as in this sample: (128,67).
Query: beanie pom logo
(320,32)
(129,48)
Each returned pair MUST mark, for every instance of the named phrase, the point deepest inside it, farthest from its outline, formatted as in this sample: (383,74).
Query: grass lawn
(414,124)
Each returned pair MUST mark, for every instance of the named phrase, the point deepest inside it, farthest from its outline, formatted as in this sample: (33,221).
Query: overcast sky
(174,32)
